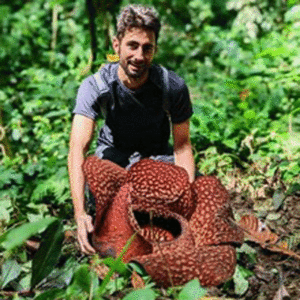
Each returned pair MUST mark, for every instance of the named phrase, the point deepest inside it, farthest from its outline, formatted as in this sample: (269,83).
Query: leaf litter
(269,212)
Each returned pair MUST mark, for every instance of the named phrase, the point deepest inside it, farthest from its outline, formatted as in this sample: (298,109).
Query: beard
(133,70)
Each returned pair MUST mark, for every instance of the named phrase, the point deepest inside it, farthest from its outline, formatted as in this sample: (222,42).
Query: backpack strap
(103,91)
(166,91)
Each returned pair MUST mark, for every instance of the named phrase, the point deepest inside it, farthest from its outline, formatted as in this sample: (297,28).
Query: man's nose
(139,55)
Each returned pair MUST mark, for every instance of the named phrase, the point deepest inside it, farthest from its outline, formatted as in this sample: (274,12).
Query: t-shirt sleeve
(180,105)
(87,100)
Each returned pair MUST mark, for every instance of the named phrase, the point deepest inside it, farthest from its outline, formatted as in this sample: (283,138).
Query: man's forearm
(77,182)
(185,159)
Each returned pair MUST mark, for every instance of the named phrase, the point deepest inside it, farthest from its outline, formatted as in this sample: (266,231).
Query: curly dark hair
(138,16)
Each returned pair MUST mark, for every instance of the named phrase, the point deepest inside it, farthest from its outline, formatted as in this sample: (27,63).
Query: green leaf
(241,285)
(5,205)
(249,251)
(57,2)
(192,291)
(83,281)
(82,278)
(24,283)
(249,114)
(4,12)
(293,14)
(9,176)
(52,294)
(16,236)
(293,189)
(16,134)
(10,271)
(243,105)
(272,52)
(118,266)
(274,216)
(278,198)
(146,294)
(47,256)
(137,267)
(115,265)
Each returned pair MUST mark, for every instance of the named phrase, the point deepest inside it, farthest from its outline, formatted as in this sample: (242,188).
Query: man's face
(136,51)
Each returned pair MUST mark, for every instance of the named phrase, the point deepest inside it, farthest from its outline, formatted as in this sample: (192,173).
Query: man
(136,124)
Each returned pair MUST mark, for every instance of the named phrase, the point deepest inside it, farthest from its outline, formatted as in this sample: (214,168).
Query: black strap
(166,90)
(103,91)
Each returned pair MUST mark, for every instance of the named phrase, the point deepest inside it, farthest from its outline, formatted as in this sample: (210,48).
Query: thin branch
(92,26)
(54,30)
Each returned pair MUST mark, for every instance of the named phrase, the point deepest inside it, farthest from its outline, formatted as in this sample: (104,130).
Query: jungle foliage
(241,60)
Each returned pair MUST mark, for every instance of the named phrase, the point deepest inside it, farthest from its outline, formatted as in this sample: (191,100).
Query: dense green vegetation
(241,60)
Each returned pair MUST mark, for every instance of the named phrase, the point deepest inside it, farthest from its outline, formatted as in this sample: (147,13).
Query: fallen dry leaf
(284,251)
(70,236)
(112,57)
(257,231)
(100,268)
(282,294)
(13,294)
(137,281)
(32,245)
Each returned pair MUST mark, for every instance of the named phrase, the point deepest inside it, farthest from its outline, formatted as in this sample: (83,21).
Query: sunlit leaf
(16,236)
(293,14)
(5,205)
(16,134)
(118,266)
(250,114)
(274,216)
(192,291)
(241,285)
(272,52)
(146,294)
(10,271)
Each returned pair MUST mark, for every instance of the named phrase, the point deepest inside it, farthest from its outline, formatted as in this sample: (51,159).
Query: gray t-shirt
(135,119)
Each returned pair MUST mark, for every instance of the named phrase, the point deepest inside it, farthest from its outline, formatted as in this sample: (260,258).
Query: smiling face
(136,51)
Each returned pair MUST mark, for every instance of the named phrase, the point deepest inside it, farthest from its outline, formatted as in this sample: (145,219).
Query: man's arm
(183,148)
(81,135)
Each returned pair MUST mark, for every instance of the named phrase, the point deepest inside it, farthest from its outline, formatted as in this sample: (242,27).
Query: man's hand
(85,226)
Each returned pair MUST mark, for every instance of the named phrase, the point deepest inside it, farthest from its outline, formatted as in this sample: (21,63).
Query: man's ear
(116,45)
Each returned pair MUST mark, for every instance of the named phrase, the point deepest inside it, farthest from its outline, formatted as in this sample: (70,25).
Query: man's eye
(132,46)
(148,49)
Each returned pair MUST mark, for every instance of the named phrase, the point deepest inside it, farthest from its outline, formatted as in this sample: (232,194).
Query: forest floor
(276,276)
